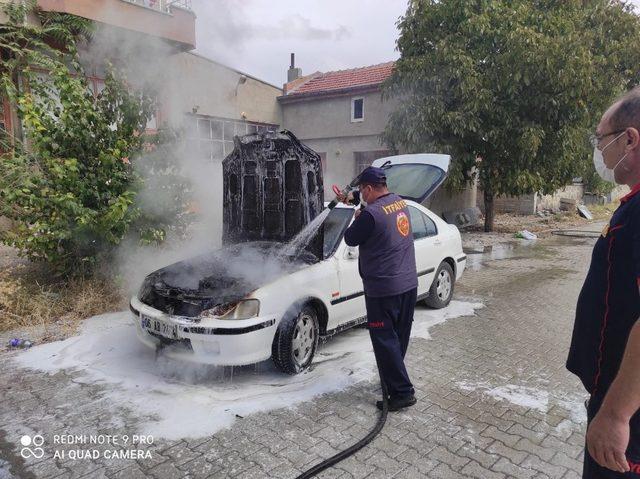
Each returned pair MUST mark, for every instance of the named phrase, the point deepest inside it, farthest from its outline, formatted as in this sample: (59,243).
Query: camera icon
(26,441)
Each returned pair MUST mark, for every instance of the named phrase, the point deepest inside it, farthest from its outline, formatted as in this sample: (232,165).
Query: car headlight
(244,309)
(145,289)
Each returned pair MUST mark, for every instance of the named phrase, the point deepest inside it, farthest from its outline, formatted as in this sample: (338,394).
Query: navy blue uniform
(607,309)
(387,266)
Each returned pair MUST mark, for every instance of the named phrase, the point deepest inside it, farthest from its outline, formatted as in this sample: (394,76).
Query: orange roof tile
(340,80)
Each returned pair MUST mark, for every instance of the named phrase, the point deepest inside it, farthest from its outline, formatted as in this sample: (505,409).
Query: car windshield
(334,227)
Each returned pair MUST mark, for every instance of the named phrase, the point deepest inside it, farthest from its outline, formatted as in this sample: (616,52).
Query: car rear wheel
(296,340)
(441,290)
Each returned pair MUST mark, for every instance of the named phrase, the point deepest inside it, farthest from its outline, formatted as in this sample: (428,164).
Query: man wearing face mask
(387,265)
(605,347)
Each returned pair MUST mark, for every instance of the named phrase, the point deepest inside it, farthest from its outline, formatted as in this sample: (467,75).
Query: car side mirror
(351,252)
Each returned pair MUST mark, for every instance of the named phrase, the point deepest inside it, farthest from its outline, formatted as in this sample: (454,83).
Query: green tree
(510,88)
(26,40)
(71,189)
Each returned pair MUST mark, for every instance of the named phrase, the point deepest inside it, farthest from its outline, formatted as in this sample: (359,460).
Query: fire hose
(333,460)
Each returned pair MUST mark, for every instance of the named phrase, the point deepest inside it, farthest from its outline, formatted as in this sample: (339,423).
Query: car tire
(296,340)
(441,290)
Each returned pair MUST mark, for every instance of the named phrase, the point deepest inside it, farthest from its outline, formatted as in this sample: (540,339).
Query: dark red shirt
(609,303)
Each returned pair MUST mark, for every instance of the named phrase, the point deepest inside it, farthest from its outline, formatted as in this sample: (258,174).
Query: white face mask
(607,174)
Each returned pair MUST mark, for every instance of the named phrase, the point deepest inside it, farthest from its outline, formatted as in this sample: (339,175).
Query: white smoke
(144,60)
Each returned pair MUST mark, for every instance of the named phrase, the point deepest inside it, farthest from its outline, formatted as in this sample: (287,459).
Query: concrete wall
(520,205)
(532,203)
(340,166)
(193,81)
(178,26)
(552,202)
(618,192)
(3,17)
(325,125)
(226,105)
(443,201)
(331,117)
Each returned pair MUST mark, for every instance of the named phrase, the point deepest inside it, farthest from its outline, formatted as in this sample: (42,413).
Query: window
(414,181)
(418,228)
(421,225)
(218,134)
(432,229)
(334,227)
(365,158)
(204,129)
(357,109)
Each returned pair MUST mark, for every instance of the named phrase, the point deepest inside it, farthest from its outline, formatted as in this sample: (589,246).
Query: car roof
(342,205)
(339,205)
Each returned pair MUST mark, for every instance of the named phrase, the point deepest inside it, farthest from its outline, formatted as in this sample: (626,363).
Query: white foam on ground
(522,396)
(424,318)
(176,399)
(571,405)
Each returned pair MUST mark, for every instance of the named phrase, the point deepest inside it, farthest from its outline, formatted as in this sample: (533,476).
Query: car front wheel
(296,340)
(441,290)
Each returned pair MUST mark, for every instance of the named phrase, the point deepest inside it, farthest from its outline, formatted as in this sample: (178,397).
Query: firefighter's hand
(346,199)
(607,441)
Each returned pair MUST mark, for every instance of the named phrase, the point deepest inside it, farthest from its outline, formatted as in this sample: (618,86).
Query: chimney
(293,73)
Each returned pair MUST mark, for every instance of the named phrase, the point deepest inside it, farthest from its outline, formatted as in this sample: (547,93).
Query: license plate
(159,327)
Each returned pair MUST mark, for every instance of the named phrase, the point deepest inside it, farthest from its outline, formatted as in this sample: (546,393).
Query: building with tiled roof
(340,114)
(338,82)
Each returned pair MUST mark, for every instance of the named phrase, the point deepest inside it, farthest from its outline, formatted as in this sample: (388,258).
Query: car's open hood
(224,276)
(415,177)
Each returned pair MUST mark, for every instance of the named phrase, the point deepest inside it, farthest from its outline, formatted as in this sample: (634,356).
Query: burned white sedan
(248,302)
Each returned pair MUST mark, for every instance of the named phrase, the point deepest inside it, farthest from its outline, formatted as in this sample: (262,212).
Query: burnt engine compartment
(219,278)
(272,188)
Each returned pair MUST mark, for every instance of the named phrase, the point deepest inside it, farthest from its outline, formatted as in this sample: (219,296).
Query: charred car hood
(224,276)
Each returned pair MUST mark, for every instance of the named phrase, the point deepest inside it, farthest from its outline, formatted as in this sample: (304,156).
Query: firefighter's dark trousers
(389,320)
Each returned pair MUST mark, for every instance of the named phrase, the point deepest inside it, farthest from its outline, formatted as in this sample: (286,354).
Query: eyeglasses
(596,139)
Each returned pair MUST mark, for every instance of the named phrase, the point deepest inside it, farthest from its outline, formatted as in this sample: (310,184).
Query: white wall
(193,81)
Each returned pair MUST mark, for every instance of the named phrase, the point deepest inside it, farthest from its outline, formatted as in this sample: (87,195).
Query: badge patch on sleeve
(402,223)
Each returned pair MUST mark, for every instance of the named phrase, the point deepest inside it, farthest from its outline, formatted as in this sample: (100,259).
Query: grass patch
(31,296)
(603,212)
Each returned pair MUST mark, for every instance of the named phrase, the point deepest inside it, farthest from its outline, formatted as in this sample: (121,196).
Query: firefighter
(605,347)
(387,266)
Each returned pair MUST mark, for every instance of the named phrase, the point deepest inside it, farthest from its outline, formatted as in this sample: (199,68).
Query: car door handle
(437,242)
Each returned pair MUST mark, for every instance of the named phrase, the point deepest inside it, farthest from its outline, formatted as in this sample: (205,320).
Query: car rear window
(413,181)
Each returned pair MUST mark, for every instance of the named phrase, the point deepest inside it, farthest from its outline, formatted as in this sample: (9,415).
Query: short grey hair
(627,114)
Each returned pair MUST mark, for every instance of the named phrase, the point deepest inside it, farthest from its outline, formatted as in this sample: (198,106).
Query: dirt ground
(36,305)
(506,225)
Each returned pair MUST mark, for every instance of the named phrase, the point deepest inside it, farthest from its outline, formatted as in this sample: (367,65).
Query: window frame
(422,216)
(340,237)
(353,109)
(435,226)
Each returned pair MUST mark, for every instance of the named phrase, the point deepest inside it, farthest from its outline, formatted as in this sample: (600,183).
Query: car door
(346,299)
(348,305)
(428,247)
